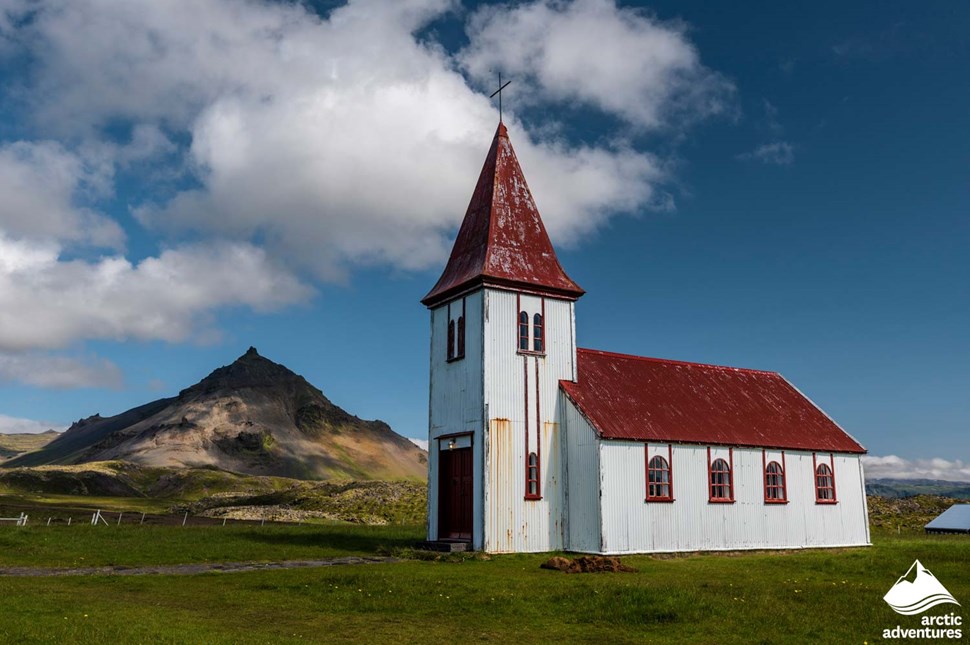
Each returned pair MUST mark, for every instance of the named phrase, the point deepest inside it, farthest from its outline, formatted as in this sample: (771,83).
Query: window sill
(533,498)
(526,352)
(662,500)
(454,359)
(776,501)
(826,501)
(720,501)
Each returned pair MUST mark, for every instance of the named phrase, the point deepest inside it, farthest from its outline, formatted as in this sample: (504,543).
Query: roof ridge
(676,362)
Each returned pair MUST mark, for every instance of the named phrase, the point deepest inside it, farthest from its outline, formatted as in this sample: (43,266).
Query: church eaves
(502,241)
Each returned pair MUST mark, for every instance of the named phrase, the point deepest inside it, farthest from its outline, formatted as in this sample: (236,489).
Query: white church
(538,445)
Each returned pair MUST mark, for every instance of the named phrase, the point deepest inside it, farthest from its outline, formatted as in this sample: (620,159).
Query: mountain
(910,487)
(14,444)
(253,416)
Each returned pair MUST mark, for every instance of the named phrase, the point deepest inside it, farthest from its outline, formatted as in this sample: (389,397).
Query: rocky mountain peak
(249,371)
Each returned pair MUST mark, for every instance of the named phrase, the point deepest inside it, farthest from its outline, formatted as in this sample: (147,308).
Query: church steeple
(502,241)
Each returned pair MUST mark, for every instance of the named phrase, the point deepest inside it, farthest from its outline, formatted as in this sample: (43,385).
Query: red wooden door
(455,494)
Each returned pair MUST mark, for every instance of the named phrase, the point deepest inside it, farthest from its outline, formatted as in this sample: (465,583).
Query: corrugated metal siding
(582,481)
(456,401)
(691,523)
(513,524)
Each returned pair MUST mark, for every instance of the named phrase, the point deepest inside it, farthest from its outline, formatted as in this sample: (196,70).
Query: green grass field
(820,596)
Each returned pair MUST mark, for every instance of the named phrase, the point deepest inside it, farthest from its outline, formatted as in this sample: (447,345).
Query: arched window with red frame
(720,489)
(451,339)
(775,483)
(460,351)
(824,484)
(538,338)
(532,477)
(658,480)
(523,331)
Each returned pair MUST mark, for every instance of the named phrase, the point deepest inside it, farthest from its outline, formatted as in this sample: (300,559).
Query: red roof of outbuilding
(652,399)
(502,241)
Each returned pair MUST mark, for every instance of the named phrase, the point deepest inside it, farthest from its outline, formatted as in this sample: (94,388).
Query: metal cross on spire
(499,92)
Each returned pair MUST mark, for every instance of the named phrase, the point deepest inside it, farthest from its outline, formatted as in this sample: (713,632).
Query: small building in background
(537,445)
(955,519)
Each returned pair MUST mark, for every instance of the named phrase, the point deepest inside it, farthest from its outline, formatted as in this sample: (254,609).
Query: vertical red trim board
(525,398)
(538,436)
(784,474)
(670,471)
(545,327)
(764,472)
(835,497)
(710,484)
(646,469)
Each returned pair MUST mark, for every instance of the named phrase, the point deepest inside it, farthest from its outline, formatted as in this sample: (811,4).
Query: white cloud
(420,443)
(620,60)
(306,146)
(47,302)
(779,153)
(893,467)
(346,141)
(14,425)
(39,182)
(58,371)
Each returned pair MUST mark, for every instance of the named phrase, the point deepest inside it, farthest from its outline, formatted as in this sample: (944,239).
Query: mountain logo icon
(916,596)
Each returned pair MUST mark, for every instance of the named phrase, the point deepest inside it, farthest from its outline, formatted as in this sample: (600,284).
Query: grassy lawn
(92,546)
(820,596)
(79,507)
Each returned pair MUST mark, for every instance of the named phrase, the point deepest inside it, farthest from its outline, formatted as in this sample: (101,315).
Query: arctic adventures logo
(911,597)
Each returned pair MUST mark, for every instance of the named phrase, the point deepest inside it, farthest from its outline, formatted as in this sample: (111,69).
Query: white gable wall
(582,453)
(514,405)
(456,401)
(692,523)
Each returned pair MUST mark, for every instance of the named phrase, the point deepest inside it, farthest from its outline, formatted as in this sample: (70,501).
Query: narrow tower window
(721,482)
(460,352)
(774,483)
(532,477)
(523,331)
(451,339)
(658,480)
(538,340)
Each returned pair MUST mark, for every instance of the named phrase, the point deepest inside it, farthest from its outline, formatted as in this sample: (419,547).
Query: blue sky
(757,185)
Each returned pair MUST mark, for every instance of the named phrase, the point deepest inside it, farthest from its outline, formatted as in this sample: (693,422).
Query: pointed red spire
(502,241)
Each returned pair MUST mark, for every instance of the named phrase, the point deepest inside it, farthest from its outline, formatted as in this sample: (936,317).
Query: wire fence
(99,517)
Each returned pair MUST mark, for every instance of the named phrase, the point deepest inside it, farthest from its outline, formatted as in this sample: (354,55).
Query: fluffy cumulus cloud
(295,144)
(41,182)
(894,467)
(15,425)
(48,302)
(42,369)
(620,60)
(347,140)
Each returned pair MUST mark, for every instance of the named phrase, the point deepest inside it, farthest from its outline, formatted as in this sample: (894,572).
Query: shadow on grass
(351,540)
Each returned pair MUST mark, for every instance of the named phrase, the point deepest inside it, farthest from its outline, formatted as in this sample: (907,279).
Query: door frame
(446,444)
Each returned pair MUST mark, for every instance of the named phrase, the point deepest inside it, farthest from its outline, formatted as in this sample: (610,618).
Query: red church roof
(652,399)
(502,241)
